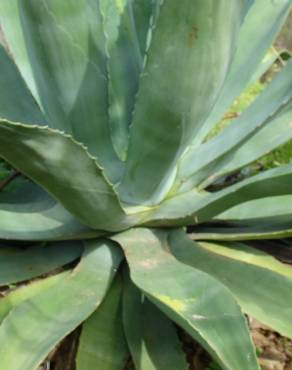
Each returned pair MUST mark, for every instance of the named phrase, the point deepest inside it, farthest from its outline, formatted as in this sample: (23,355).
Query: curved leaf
(263,126)
(126,24)
(30,213)
(247,231)
(18,264)
(236,265)
(102,343)
(66,170)
(277,131)
(144,326)
(197,207)
(264,20)
(171,104)
(16,101)
(279,207)
(28,291)
(51,315)
(191,298)
(251,221)
(60,50)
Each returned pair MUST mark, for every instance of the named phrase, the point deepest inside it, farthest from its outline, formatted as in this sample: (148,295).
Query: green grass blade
(267,299)
(102,343)
(194,300)
(51,315)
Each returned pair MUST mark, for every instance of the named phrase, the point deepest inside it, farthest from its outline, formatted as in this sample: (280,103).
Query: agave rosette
(105,109)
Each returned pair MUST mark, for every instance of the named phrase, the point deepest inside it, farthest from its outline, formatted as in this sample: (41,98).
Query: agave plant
(106,109)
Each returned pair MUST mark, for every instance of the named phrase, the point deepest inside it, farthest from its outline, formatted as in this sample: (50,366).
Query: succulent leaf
(53,314)
(177,90)
(145,326)
(236,265)
(194,300)
(102,343)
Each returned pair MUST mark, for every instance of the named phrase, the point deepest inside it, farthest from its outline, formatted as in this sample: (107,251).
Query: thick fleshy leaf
(177,89)
(66,170)
(262,127)
(274,182)
(144,326)
(33,328)
(102,344)
(249,230)
(264,20)
(277,131)
(16,101)
(197,207)
(60,50)
(191,298)
(266,218)
(268,299)
(280,206)
(27,212)
(126,24)
(28,291)
(19,264)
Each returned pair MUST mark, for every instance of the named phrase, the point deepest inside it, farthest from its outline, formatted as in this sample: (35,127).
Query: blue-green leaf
(236,265)
(184,71)
(144,326)
(59,48)
(51,315)
(66,170)
(16,101)
(102,343)
(18,264)
(191,298)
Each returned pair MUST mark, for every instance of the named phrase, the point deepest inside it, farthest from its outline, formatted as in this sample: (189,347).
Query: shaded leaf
(60,51)
(126,25)
(16,101)
(102,343)
(33,328)
(30,213)
(66,170)
(144,326)
(19,264)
